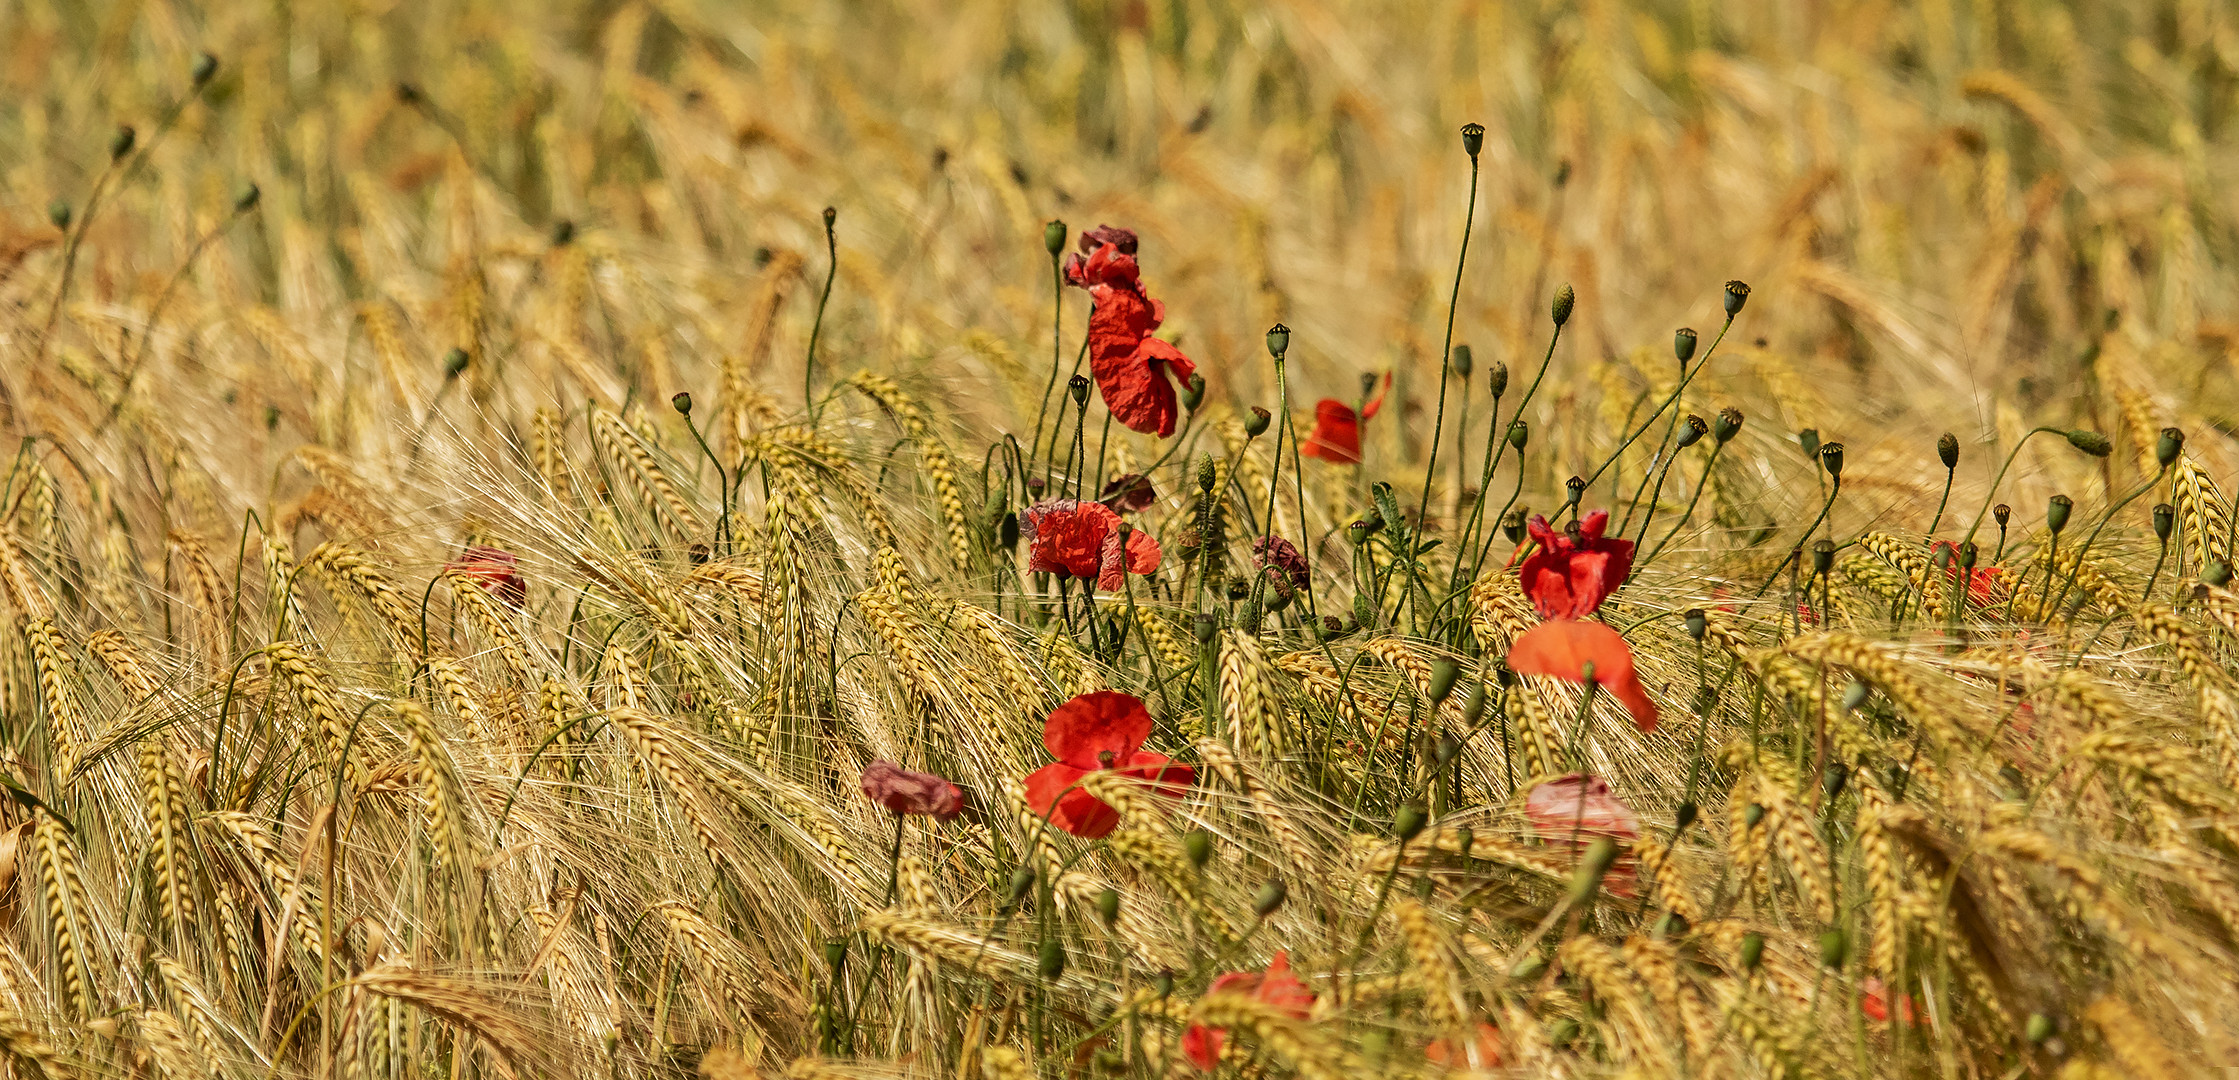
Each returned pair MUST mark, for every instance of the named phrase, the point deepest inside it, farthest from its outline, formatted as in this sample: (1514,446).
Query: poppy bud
(1204,626)
(2039,1028)
(2091,442)
(454,362)
(1822,558)
(563,233)
(2217,573)
(1278,340)
(1078,387)
(1512,526)
(1947,450)
(1208,473)
(1462,362)
(1566,298)
(1053,238)
(1809,440)
(1022,882)
(2164,521)
(1528,968)
(1256,425)
(681,401)
(1368,384)
(1968,553)
(120,143)
(2002,513)
(1409,822)
(245,199)
(1752,950)
(1697,427)
(1727,425)
(1473,139)
(1688,811)
(1270,898)
(1193,392)
(271,418)
(2057,510)
(1854,695)
(58,214)
(1752,814)
(1519,433)
(1474,706)
(1053,958)
(1496,378)
(1576,486)
(1447,749)
(1737,294)
(2166,448)
(1834,948)
(1599,856)
(1197,844)
(1698,623)
(1443,674)
(831,215)
(1838,775)
(1683,344)
(205,68)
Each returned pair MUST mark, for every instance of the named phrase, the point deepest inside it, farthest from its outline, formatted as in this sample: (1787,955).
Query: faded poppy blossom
(1082,539)
(1982,582)
(1128,493)
(1874,1002)
(1568,812)
(1275,555)
(1575,570)
(905,792)
(1091,733)
(1276,988)
(495,569)
(1123,239)
(1337,428)
(1130,366)
(1484,1048)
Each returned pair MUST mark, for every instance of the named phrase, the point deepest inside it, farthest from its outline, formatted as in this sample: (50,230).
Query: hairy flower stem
(1944,501)
(722,481)
(816,328)
(1992,495)
(1057,355)
(1438,423)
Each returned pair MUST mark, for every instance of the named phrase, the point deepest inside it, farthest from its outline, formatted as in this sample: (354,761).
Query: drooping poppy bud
(1737,294)
(1444,674)
(1834,948)
(1566,298)
(1278,340)
(1600,855)
(1753,814)
(1683,344)
(1193,392)
(1728,424)
(681,401)
(2057,510)
(2091,442)
(1022,882)
(1698,623)
(1270,898)
(1052,962)
(1053,237)
(1473,139)
(1108,906)
(1409,822)
(1197,846)
(563,233)
(1462,362)
(2166,448)
(1809,440)
(1947,450)
(58,214)
(454,362)
(1752,950)
(2039,1028)
(1686,816)
(245,199)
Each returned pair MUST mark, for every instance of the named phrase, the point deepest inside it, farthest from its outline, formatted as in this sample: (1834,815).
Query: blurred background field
(281,331)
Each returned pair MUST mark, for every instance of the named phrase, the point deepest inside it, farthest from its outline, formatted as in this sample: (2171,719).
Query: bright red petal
(1054,791)
(1202,1045)
(1561,648)
(1376,404)
(1169,777)
(1084,729)
(1282,990)
(1546,579)
(1141,558)
(1336,435)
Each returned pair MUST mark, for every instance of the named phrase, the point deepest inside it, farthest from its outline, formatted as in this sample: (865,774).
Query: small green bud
(2091,442)
(1752,950)
(2166,448)
(1686,816)
(1527,967)
(1496,379)
(1278,340)
(2039,1028)
(1443,674)
(1022,882)
(2057,510)
(1053,959)
(1409,822)
(58,214)
(1519,434)
(681,401)
(835,954)
(1461,361)
(1473,139)
(1698,623)
(1270,898)
(1256,424)
(1834,948)
(454,362)
(1600,855)
(1077,386)
(1947,450)
(2164,521)
(205,68)
(1163,983)
(1693,431)
(1197,844)
(1205,626)
(1809,440)
(245,199)
(1193,392)
(1447,749)
(121,141)
(1566,299)
(1837,778)
(1474,706)
(1753,814)
(1053,238)
(1107,906)
(2216,573)
(1737,294)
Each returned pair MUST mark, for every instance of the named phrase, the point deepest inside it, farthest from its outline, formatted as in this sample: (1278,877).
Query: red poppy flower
(1483,1049)
(1575,570)
(1874,1002)
(1123,239)
(905,792)
(495,569)
(1094,732)
(1130,366)
(1275,555)
(1982,582)
(1570,811)
(1337,429)
(1082,539)
(1276,987)
(1561,649)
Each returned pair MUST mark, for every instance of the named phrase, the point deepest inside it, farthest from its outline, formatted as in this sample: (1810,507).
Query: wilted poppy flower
(1561,649)
(1982,582)
(1483,1049)
(1123,239)
(1275,555)
(1130,366)
(1337,428)
(1082,539)
(1570,811)
(905,792)
(1276,987)
(1128,493)
(1094,732)
(495,569)
(1874,1002)
(1575,570)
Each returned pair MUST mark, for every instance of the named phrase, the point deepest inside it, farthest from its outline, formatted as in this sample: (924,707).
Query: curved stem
(1668,402)
(816,329)
(1701,483)
(1438,423)
(1057,354)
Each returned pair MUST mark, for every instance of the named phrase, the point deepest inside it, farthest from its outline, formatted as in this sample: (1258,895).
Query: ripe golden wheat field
(501,581)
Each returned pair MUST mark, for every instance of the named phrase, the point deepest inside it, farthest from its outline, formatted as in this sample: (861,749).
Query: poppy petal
(1053,791)
(1561,648)
(1080,731)
(1202,1045)
(1168,777)
(1336,436)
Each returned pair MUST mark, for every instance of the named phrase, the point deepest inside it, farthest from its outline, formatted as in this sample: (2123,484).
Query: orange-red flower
(495,569)
(1130,366)
(1094,732)
(1570,811)
(1082,539)
(1982,582)
(1276,987)
(1575,570)
(1561,649)
(905,792)
(1874,1002)
(1483,1049)
(1337,428)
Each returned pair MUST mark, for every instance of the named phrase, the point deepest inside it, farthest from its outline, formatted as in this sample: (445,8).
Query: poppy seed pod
(1686,816)
(1566,298)
(681,401)
(1696,428)
(205,68)
(454,362)
(2217,573)
(1519,434)
(1022,882)
(2166,448)
(2057,510)
(1053,958)
(1368,383)
(1576,487)
(1600,855)
(1270,898)
(1357,532)
(835,954)
(1409,822)
(120,143)
(1809,440)
(2091,442)
(2164,521)
(1474,706)
(1968,554)
(1107,905)
(1462,361)
(1834,948)
(1496,378)
(1078,387)
(1205,626)
(58,214)
(1727,425)
(2002,513)
(1822,558)
(1698,623)
(1006,531)
(1683,344)
(1752,950)
(1197,844)
(1831,456)
(831,215)
(1193,392)
(1512,526)
(1053,238)
(1278,340)
(1947,450)
(1255,425)
(1737,294)
(1444,674)
(245,199)
(1473,139)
